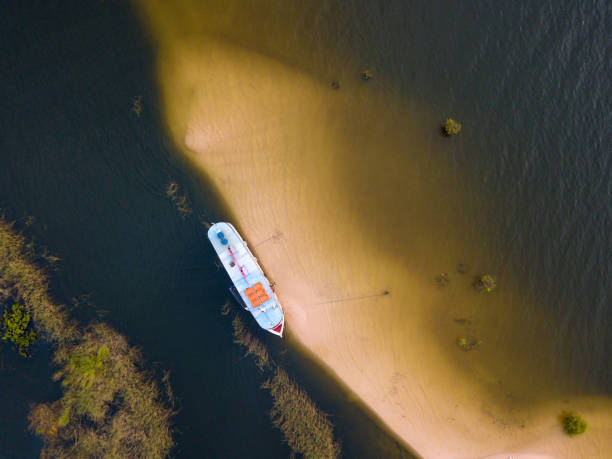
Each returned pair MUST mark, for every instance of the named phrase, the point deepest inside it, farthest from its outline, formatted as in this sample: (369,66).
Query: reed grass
(305,427)
(180,200)
(253,346)
(110,406)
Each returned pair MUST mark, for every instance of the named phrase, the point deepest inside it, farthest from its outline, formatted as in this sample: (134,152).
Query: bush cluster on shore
(110,406)
(307,430)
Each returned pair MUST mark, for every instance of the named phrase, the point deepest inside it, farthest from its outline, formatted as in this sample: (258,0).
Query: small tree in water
(451,127)
(485,283)
(17,329)
(573,424)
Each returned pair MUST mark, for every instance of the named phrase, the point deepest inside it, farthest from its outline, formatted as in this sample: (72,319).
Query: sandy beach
(357,283)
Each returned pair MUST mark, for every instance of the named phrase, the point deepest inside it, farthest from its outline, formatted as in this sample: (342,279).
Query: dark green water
(529,82)
(74,156)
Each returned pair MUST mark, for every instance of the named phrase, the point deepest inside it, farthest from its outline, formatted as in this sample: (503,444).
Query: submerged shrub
(306,428)
(451,127)
(366,75)
(442,280)
(467,343)
(573,424)
(18,329)
(485,283)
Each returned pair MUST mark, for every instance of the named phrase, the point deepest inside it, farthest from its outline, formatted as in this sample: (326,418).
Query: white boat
(251,287)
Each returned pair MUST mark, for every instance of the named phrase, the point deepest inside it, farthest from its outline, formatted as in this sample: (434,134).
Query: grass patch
(110,406)
(306,428)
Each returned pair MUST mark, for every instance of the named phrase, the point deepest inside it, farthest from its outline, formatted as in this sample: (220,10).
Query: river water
(529,176)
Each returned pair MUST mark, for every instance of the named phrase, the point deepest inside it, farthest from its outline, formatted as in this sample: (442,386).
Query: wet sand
(343,196)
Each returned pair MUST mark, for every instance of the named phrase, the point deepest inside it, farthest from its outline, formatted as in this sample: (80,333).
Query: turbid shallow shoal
(344,181)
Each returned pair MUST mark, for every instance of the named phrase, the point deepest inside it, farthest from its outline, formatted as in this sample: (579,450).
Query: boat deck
(246,275)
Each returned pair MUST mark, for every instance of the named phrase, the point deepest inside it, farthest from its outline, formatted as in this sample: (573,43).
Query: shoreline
(268,137)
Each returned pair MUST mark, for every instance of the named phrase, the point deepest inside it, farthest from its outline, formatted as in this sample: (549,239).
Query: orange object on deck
(257,294)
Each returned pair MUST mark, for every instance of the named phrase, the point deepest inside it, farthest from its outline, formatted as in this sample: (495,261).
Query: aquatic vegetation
(110,407)
(451,127)
(18,329)
(28,283)
(573,424)
(442,280)
(307,429)
(180,199)
(83,370)
(254,347)
(366,75)
(485,283)
(226,308)
(468,343)
(137,105)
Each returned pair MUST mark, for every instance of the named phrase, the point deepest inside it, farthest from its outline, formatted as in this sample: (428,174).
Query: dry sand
(279,145)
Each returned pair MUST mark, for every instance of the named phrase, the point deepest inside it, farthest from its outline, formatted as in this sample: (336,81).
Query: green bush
(573,424)
(451,127)
(18,330)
